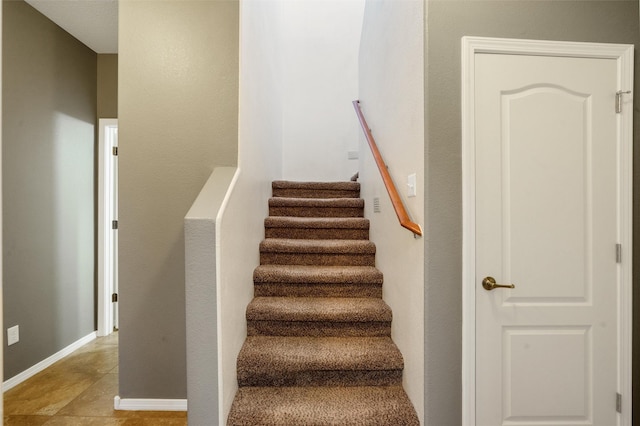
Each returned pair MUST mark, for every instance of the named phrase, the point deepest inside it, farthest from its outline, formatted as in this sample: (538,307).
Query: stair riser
(317,290)
(321,259)
(323,378)
(317,234)
(318,328)
(316,211)
(306,193)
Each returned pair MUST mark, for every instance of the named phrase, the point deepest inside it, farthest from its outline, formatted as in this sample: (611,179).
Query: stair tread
(316,222)
(336,309)
(340,185)
(287,245)
(319,348)
(316,202)
(295,353)
(348,406)
(317,274)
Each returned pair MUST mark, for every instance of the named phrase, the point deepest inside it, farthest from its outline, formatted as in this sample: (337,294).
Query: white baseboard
(21,377)
(138,404)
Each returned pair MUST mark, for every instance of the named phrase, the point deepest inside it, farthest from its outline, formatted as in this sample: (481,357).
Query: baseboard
(21,377)
(138,404)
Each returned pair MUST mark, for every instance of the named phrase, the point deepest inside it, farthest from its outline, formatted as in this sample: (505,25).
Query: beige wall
(448,21)
(107,86)
(392,99)
(177,113)
(49,112)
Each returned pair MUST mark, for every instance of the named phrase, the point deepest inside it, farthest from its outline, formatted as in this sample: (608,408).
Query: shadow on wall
(49,114)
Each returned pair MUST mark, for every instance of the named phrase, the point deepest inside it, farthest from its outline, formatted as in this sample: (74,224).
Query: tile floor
(79,390)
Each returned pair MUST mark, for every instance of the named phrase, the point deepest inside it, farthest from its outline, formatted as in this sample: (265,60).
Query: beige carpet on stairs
(319,348)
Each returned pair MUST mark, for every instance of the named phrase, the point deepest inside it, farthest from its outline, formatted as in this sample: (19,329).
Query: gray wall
(448,21)
(49,111)
(107,90)
(178,120)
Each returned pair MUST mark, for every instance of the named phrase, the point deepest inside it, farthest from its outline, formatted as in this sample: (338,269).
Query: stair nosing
(346,186)
(320,246)
(299,222)
(318,309)
(320,274)
(316,202)
(386,358)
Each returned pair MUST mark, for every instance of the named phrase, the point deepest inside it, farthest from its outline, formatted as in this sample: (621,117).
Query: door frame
(623,54)
(106,200)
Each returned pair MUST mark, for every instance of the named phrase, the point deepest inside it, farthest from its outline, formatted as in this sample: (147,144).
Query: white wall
(259,162)
(201,230)
(392,99)
(298,76)
(320,79)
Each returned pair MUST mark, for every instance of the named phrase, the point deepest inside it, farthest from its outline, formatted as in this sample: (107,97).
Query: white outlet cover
(13,335)
(376,204)
(411,185)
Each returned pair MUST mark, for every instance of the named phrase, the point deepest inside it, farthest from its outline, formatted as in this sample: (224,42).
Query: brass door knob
(489,283)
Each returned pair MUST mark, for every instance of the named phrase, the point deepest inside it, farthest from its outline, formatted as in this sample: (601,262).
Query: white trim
(202,249)
(105,281)
(221,385)
(31,371)
(625,231)
(1,231)
(624,55)
(468,236)
(570,49)
(144,404)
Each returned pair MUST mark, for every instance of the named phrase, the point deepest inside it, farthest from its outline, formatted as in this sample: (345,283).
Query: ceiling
(93,22)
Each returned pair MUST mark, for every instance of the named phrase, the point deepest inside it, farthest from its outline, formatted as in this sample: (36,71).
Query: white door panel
(526,351)
(547,219)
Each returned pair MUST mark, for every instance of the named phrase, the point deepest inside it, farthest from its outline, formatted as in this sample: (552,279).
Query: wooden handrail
(401,212)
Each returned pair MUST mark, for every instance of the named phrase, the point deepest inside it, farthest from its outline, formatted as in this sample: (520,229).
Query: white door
(114,216)
(107,231)
(548,220)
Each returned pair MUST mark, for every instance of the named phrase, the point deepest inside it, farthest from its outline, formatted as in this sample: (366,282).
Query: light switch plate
(411,185)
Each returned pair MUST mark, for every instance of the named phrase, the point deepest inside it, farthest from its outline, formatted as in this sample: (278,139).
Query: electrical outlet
(352,155)
(13,335)
(376,205)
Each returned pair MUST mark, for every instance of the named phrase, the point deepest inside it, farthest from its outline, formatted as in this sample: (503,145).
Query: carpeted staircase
(319,348)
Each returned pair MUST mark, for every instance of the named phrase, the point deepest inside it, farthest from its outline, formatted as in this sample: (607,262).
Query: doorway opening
(547,210)
(107,226)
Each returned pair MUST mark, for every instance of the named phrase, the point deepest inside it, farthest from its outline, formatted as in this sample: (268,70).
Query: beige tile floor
(79,390)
